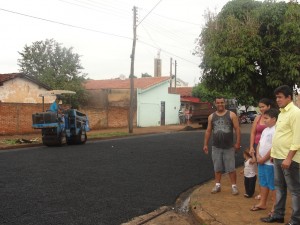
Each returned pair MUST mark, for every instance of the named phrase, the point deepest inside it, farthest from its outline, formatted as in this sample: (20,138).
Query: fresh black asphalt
(102,182)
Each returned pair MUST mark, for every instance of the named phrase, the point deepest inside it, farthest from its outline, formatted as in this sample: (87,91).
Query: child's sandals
(257,197)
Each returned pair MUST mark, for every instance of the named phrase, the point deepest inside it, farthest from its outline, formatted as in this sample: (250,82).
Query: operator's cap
(59,97)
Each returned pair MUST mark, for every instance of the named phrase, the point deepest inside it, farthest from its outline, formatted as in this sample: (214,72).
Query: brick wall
(108,118)
(16,118)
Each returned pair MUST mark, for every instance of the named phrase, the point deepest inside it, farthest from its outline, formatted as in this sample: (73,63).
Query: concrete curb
(198,212)
(20,146)
(148,217)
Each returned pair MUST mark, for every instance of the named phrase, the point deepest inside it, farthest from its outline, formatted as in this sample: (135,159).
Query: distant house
(19,99)
(21,88)
(153,105)
(185,94)
(179,83)
(186,97)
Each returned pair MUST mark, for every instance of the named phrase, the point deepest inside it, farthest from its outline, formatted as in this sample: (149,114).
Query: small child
(265,165)
(249,173)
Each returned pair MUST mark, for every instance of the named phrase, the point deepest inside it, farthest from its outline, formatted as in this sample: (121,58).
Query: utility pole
(175,75)
(171,76)
(131,103)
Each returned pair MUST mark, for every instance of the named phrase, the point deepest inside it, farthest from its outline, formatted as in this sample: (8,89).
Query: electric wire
(115,11)
(149,12)
(173,19)
(150,37)
(65,24)
(170,44)
(164,32)
(177,33)
(97,31)
(169,53)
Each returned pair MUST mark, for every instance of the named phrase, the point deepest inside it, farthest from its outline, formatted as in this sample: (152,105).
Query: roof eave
(142,90)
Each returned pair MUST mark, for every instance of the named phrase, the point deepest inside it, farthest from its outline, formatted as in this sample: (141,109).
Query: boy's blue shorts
(266,176)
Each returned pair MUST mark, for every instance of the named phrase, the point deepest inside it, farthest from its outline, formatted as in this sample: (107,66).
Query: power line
(65,24)
(165,32)
(170,53)
(150,36)
(98,7)
(149,12)
(182,21)
(97,31)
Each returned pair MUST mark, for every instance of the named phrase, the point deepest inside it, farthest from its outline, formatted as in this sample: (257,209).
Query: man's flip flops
(257,208)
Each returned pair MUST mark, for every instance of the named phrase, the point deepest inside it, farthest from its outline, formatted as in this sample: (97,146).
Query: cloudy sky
(101,31)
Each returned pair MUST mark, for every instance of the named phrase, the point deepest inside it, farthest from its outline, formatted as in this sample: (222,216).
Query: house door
(162,113)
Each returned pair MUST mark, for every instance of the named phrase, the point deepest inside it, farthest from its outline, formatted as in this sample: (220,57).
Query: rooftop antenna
(158,53)
(157,65)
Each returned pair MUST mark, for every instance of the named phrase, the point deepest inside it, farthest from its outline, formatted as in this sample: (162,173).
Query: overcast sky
(101,31)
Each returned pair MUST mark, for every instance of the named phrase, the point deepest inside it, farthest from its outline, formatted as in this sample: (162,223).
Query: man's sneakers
(216,189)
(234,190)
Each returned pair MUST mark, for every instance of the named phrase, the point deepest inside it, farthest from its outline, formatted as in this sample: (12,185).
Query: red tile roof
(10,76)
(141,83)
(190,99)
(183,91)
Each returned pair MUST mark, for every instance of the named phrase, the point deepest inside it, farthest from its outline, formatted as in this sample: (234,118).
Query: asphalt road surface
(104,182)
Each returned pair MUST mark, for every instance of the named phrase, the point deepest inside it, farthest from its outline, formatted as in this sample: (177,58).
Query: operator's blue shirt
(54,107)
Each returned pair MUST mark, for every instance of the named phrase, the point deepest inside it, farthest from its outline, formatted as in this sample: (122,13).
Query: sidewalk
(205,208)
(224,208)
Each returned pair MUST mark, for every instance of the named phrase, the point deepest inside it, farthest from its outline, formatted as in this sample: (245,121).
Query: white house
(154,105)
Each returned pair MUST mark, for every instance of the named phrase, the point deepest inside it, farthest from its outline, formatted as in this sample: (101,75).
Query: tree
(251,47)
(56,66)
(201,91)
(208,95)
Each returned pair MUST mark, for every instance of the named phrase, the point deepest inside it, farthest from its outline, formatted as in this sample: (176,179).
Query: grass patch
(10,141)
(112,134)
(90,136)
